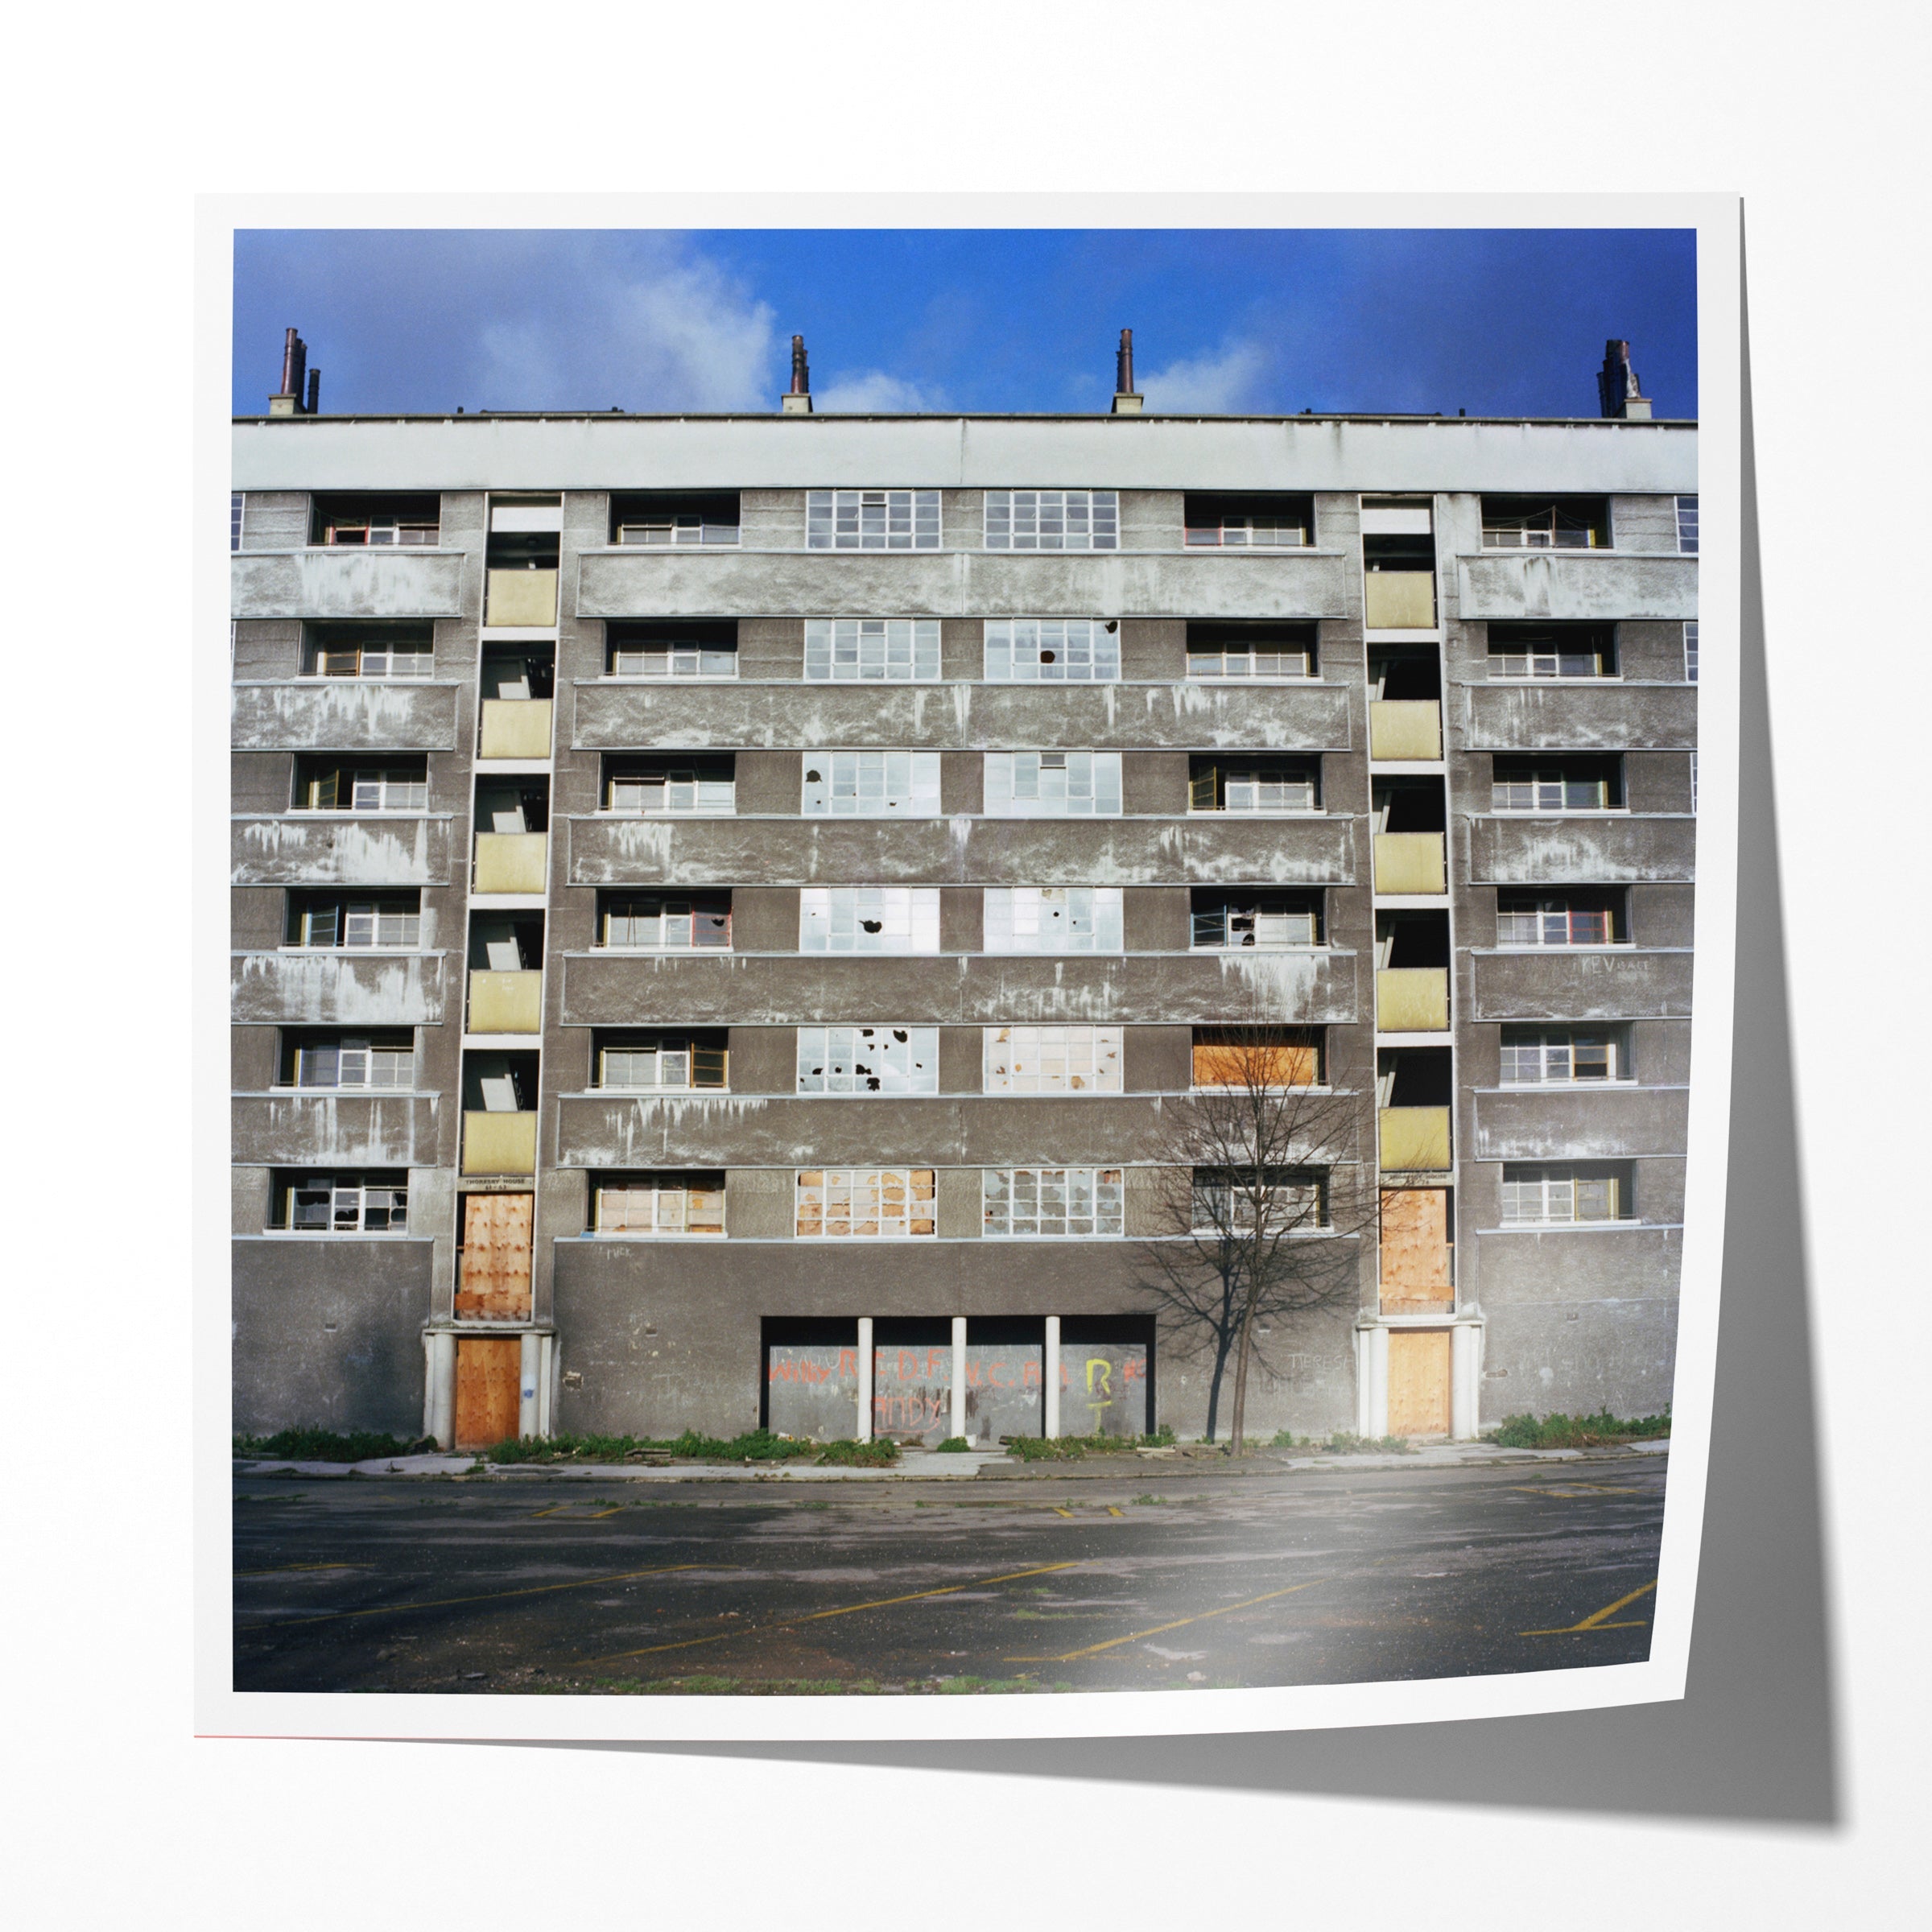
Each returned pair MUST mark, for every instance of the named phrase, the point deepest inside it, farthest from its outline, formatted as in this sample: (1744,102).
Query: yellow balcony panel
(526,598)
(1408,861)
(1409,999)
(499,1143)
(1414,1139)
(1405,728)
(1400,600)
(507,1002)
(518,862)
(515,728)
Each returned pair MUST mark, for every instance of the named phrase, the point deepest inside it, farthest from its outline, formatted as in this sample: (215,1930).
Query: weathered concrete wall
(1535,1123)
(1577,717)
(344,715)
(325,850)
(344,988)
(1582,986)
(343,1130)
(1595,850)
(347,584)
(1596,586)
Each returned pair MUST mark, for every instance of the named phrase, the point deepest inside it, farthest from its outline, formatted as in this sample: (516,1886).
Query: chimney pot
(1125,401)
(796,400)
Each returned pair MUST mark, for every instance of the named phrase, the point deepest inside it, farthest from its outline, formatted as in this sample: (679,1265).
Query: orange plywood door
(489,1376)
(1415,1252)
(1418,1381)
(1231,1062)
(494,1278)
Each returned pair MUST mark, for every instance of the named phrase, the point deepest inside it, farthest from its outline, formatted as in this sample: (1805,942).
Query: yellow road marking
(284,1569)
(1112,1511)
(1596,1619)
(1058,1511)
(881,1603)
(1068,1657)
(489,1597)
(572,1515)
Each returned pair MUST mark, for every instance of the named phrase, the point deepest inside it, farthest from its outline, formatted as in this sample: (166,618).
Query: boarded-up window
(493,1266)
(1418,1270)
(840,1202)
(660,1203)
(1234,1056)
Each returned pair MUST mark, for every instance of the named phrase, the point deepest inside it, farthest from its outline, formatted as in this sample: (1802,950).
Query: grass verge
(329,1445)
(1560,1431)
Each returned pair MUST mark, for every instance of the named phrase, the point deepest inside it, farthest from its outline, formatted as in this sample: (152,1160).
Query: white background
(118,1813)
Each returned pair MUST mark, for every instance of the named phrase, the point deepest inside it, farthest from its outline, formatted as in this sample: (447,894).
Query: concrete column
(1052,1369)
(546,1379)
(439,1387)
(1465,1380)
(1371,1380)
(864,1432)
(959,1376)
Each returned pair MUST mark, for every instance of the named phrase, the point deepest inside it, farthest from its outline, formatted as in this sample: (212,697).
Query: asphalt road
(1163,1578)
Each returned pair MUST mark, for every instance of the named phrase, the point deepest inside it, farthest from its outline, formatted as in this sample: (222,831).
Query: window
(1573,919)
(1694,784)
(1246,1057)
(873,784)
(658,1204)
(1266,921)
(1559,650)
(864,1202)
(332,654)
(656,921)
(1548,1056)
(1052,1059)
(692,649)
(1052,650)
(392,922)
(665,520)
(1053,520)
(695,785)
(234,520)
(384,1062)
(1567,785)
(872,519)
(1283,1199)
(363,787)
(1053,918)
(1053,784)
(1257,785)
(1546,522)
(1691,651)
(1687,526)
(1260,658)
(409,521)
(1031,1202)
(888,650)
(868,919)
(1266,522)
(868,1060)
(342,1204)
(663,1062)
(1566,1190)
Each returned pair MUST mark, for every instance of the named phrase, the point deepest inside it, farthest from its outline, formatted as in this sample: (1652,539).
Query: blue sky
(1497,322)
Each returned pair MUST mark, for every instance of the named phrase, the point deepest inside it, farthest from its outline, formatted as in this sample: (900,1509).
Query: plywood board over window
(490,1374)
(1418,1381)
(493,1281)
(1417,1275)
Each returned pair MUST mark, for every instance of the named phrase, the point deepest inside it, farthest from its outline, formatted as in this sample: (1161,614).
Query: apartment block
(724,905)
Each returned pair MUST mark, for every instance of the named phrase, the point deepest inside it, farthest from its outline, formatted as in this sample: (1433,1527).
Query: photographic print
(979,982)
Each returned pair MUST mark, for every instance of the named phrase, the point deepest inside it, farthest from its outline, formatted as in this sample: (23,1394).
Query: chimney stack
(301,385)
(1617,392)
(1126,402)
(796,400)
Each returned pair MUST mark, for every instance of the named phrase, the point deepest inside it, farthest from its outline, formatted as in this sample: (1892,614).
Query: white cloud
(1217,385)
(872,392)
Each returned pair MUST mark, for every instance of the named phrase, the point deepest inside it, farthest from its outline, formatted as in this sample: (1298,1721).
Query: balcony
(326,849)
(505,1002)
(1531,851)
(1399,599)
(1405,729)
(1527,716)
(521,598)
(515,728)
(1409,862)
(1596,1121)
(349,582)
(334,1130)
(512,862)
(1412,999)
(1414,1140)
(1589,585)
(336,988)
(343,714)
(500,1143)
(1567,982)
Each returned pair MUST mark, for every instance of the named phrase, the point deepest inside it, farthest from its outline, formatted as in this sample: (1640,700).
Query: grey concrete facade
(654,1334)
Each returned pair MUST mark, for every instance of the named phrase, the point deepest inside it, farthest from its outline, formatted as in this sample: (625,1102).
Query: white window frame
(682,528)
(1262,790)
(1550,907)
(664,1206)
(389,663)
(675,791)
(345,916)
(236,502)
(672,1055)
(1052,919)
(865,1060)
(1687,526)
(872,519)
(689,661)
(1051,1203)
(1546,665)
(1052,1059)
(355,1189)
(867,784)
(1052,650)
(1247,662)
(360,1065)
(887,1198)
(1691,650)
(1291,1194)
(1545,1193)
(833,919)
(1053,520)
(1499,537)
(1545,793)
(872,651)
(677,912)
(1553,1051)
(1271,926)
(1052,785)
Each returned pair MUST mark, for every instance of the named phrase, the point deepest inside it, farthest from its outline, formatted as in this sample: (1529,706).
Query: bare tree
(1262,1185)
